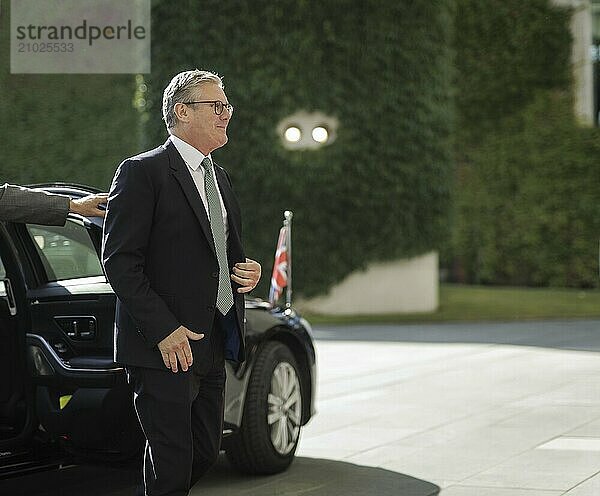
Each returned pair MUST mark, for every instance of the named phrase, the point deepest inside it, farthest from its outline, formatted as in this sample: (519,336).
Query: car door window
(66,252)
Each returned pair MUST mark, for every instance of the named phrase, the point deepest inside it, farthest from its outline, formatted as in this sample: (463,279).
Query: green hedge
(63,127)
(525,211)
(383,68)
(507,51)
(530,207)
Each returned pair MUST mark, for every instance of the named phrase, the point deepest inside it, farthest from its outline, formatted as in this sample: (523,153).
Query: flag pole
(288,224)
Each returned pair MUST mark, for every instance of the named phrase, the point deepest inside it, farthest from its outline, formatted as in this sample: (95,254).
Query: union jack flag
(279,278)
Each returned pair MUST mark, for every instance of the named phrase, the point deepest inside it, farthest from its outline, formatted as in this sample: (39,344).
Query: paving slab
(540,469)
(459,490)
(589,487)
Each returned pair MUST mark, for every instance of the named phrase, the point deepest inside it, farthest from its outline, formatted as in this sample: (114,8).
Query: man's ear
(181,112)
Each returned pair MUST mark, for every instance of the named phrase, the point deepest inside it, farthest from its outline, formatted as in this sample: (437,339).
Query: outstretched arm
(18,204)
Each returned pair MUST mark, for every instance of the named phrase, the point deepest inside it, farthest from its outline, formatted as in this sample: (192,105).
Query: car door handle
(7,292)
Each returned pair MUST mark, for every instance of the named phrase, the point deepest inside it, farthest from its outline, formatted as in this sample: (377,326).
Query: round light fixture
(306,130)
(320,134)
(292,134)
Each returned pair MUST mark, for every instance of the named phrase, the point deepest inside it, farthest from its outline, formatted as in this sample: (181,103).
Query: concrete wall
(583,76)
(402,286)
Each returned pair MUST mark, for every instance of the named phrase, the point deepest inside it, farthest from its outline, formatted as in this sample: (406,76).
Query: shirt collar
(190,155)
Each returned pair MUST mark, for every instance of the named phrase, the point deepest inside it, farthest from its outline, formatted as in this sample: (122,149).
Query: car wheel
(268,437)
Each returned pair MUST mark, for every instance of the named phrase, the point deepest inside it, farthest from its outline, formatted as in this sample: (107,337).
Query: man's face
(209,130)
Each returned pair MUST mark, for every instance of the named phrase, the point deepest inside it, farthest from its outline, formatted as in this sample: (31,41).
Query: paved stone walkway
(474,409)
(422,410)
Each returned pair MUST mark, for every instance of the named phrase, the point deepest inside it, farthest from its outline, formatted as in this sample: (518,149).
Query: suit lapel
(181,173)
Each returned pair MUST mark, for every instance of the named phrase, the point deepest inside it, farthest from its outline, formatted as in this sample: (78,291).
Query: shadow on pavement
(306,476)
(314,477)
(576,335)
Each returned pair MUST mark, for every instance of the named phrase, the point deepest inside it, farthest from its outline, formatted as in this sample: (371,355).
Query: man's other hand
(246,275)
(176,347)
(88,206)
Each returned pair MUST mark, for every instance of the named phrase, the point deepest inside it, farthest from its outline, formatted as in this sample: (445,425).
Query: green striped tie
(224,294)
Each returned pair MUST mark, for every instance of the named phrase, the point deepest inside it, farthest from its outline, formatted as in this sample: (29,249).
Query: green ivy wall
(384,69)
(526,203)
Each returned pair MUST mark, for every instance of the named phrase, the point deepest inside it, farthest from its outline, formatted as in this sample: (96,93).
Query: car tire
(268,436)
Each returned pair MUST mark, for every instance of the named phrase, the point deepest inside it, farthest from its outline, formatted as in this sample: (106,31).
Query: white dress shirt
(193,159)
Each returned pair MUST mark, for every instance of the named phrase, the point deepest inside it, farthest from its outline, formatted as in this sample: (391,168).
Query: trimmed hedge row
(529,208)
(507,52)
(526,203)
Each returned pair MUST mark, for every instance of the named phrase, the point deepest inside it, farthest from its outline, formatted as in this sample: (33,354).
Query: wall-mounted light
(293,134)
(320,134)
(304,131)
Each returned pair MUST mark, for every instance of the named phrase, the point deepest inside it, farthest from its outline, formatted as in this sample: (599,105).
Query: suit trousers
(181,415)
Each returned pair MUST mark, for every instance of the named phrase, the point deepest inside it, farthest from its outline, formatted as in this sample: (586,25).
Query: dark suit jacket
(159,256)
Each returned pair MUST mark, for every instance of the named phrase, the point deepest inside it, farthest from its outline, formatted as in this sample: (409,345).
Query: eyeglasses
(218,106)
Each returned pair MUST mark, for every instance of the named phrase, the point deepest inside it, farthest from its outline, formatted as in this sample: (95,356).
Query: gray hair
(182,89)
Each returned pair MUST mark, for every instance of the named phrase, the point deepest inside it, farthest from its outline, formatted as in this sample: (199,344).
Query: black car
(60,387)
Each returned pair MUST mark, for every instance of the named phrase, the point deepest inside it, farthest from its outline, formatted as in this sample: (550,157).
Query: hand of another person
(176,346)
(246,275)
(88,205)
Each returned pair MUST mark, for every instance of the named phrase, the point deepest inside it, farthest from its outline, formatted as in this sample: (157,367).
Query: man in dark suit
(19,204)
(173,254)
